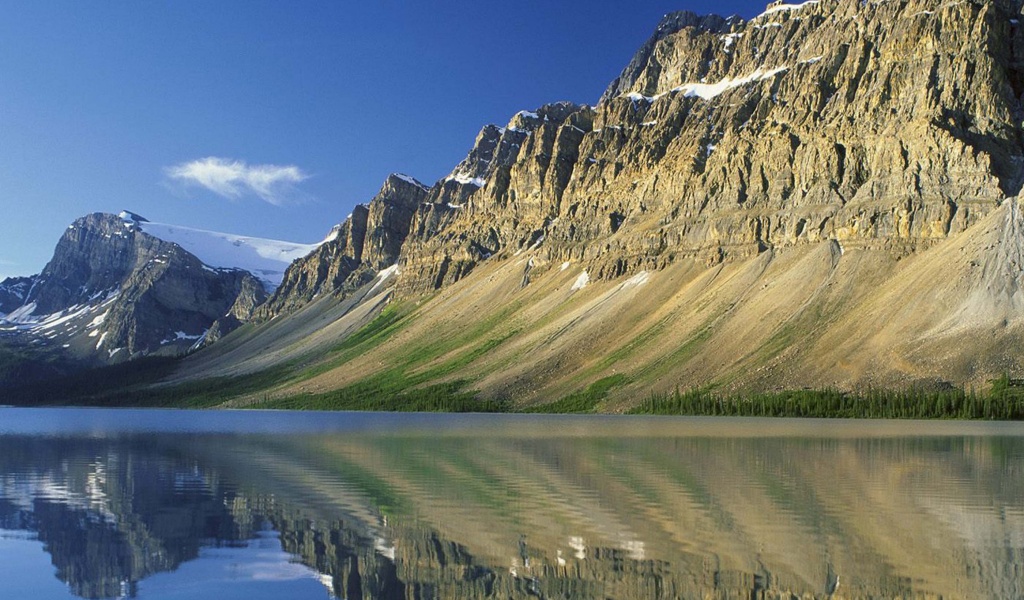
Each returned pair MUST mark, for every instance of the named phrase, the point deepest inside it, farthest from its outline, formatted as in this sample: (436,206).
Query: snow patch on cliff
(581,281)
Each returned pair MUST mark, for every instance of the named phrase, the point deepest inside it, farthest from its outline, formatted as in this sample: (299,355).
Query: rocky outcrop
(369,240)
(388,219)
(13,291)
(250,297)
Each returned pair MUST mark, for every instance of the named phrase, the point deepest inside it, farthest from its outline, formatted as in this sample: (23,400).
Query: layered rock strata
(884,125)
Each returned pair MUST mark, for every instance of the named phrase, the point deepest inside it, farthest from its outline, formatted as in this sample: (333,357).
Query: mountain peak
(127,215)
(670,25)
(407,179)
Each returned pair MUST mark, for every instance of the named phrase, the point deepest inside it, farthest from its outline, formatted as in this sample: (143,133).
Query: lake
(239,504)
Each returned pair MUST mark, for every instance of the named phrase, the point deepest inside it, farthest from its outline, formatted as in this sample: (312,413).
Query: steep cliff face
(518,171)
(368,241)
(95,254)
(888,125)
(671,25)
(112,292)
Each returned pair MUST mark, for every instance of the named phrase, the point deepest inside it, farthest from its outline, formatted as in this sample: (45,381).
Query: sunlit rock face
(885,125)
(878,124)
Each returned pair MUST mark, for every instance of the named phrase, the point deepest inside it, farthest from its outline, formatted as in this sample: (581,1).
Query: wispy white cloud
(234,178)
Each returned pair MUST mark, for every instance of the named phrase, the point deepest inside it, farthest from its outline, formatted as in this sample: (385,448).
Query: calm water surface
(180,504)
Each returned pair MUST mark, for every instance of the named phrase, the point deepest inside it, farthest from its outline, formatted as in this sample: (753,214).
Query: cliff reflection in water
(509,515)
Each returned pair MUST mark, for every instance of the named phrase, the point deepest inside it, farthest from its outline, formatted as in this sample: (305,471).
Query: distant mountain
(120,286)
(12,293)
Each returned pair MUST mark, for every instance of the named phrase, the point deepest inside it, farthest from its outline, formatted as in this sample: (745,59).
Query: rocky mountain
(113,290)
(828,120)
(824,195)
(843,121)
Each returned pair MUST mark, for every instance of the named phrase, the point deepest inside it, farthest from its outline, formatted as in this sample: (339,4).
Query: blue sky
(290,112)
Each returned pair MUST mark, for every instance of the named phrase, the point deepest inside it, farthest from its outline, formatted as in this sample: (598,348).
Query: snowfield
(266,259)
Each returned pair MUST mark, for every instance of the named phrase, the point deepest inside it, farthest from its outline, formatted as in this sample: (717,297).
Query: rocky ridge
(883,125)
(764,182)
(878,124)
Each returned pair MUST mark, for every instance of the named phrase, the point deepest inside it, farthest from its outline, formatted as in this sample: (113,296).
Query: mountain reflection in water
(551,508)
